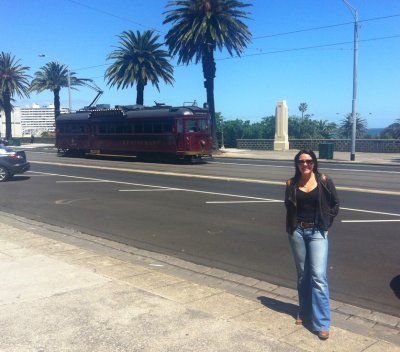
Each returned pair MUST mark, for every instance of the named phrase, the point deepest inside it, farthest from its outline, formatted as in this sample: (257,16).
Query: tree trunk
(209,70)
(56,102)
(140,93)
(7,113)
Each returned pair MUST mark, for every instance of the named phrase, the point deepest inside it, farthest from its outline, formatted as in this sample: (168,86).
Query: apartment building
(30,121)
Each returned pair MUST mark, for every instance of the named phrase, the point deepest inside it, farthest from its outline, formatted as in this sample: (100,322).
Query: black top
(307,205)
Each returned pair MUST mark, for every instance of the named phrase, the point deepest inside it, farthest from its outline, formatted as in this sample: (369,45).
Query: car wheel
(4,174)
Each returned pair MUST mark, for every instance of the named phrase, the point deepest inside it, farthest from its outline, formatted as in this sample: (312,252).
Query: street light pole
(69,80)
(69,89)
(354,12)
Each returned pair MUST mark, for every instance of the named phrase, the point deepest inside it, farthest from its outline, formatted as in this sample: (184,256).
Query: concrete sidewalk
(361,158)
(67,291)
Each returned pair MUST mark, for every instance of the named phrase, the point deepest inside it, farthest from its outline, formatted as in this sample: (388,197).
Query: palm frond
(137,60)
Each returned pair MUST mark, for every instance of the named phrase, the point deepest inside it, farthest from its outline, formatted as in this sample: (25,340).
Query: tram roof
(76,116)
(142,112)
(166,112)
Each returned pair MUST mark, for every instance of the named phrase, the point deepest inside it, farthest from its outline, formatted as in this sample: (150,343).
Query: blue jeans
(310,251)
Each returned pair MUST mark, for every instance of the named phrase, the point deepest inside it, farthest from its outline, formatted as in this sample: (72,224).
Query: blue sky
(313,66)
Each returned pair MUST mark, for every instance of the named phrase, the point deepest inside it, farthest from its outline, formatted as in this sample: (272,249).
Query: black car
(12,162)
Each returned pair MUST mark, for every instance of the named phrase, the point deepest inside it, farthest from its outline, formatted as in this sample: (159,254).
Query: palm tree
(346,126)
(303,108)
(13,80)
(139,60)
(53,76)
(202,26)
(392,131)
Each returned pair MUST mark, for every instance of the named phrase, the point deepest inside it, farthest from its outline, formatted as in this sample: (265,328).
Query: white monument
(281,126)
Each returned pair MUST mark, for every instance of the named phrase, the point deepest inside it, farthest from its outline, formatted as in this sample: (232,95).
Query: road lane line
(148,190)
(162,187)
(370,211)
(203,192)
(255,165)
(81,181)
(220,178)
(358,221)
(290,166)
(244,201)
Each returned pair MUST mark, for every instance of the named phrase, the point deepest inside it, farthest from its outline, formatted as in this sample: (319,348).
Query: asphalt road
(226,214)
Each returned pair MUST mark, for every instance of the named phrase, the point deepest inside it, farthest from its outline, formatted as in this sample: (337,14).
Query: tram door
(180,138)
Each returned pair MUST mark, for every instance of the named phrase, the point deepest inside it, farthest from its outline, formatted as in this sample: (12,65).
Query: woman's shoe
(298,322)
(323,335)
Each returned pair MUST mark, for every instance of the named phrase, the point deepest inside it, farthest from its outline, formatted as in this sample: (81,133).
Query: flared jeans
(310,252)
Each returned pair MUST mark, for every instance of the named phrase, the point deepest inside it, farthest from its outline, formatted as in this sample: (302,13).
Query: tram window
(111,129)
(167,127)
(157,127)
(197,125)
(190,126)
(203,125)
(179,126)
(147,127)
(119,129)
(77,129)
(102,129)
(138,127)
(127,129)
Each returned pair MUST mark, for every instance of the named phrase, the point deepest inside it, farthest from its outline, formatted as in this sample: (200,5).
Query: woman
(312,204)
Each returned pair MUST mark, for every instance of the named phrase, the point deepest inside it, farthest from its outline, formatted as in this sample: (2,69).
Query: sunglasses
(302,162)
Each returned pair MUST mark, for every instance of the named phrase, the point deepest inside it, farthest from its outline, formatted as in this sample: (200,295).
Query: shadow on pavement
(17,178)
(279,306)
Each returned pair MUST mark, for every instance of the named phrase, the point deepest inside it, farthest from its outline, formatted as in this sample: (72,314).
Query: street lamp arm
(353,10)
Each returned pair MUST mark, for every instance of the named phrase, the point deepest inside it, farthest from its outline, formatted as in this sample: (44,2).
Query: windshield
(196,125)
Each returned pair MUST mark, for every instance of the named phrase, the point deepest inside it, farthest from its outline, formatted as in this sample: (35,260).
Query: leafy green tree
(346,125)
(392,131)
(306,128)
(233,130)
(139,59)
(199,28)
(53,76)
(219,121)
(13,80)
(268,127)
(326,129)
(303,108)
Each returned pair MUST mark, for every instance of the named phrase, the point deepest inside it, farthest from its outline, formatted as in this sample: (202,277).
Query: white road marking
(264,200)
(358,221)
(244,201)
(209,177)
(370,211)
(148,190)
(82,181)
(165,173)
(68,201)
(152,186)
(255,165)
(291,166)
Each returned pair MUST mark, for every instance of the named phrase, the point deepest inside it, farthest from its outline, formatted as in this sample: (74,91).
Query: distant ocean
(374,131)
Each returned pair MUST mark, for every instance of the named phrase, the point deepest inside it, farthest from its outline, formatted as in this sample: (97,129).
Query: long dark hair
(309,152)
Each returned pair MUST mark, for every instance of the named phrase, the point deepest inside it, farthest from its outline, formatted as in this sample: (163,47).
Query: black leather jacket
(328,203)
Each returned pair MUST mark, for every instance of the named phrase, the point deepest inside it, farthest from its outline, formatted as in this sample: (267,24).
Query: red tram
(160,131)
